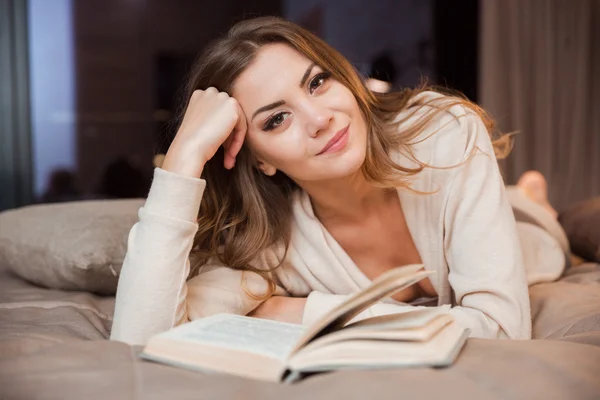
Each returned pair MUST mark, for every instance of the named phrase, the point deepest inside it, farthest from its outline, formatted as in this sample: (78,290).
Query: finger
(229,161)
(239,134)
(231,151)
(236,140)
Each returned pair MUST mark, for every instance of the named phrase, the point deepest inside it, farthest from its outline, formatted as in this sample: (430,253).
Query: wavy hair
(244,212)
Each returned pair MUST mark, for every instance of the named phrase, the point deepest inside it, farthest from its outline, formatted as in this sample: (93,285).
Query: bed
(53,345)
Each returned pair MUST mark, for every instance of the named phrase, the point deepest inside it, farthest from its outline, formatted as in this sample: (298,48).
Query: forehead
(276,68)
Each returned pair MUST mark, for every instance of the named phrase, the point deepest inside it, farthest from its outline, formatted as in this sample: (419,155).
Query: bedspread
(53,346)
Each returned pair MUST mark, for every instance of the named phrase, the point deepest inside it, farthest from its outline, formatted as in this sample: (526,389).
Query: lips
(334,140)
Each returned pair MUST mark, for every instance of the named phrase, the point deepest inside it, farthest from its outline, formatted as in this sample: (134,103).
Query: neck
(348,199)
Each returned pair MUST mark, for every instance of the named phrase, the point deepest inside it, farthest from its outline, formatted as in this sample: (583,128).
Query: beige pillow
(72,246)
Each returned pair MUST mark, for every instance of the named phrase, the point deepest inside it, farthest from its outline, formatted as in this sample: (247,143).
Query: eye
(318,81)
(275,121)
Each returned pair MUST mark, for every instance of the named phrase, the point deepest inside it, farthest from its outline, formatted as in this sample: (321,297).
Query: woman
(312,186)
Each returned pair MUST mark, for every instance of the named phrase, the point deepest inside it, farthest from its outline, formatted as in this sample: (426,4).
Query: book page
(268,338)
(441,350)
(385,285)
(386,331)
(414,318)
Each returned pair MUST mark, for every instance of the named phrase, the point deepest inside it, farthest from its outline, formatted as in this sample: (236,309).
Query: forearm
(482,249)
(281,308)
(152,284)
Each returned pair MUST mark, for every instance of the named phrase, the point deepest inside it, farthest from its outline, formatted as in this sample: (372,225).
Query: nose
(319,118)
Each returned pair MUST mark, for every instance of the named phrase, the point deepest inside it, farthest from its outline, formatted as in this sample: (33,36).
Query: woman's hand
(281,308)
(212,119)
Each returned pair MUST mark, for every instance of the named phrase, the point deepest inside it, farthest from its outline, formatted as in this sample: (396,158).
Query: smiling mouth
(337,142)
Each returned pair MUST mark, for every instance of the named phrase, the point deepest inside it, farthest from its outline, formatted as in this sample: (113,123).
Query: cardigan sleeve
(152,284)
(153,295)
(483,253)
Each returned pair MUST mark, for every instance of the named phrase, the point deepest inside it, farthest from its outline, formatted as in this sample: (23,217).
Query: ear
(266,168)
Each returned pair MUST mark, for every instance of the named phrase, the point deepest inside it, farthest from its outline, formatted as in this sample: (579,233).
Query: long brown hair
(243,212)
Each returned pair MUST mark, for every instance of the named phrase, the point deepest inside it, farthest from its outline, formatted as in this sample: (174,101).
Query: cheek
(278,150)
(344,99)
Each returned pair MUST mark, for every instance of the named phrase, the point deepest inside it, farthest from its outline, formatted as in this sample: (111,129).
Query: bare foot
(534,185)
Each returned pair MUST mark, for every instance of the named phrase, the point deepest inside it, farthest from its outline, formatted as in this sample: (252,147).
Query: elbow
(137,329)
(522,333)
(519,331)
(130,338)
(516,328)
(485,324)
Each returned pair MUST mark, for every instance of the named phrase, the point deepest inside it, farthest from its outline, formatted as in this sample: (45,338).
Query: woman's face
(300,120)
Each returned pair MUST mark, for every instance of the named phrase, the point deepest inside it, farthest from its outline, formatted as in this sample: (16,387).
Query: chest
(382,242)
(377,245)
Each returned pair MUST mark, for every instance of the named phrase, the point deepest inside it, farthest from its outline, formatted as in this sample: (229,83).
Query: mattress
(53,346)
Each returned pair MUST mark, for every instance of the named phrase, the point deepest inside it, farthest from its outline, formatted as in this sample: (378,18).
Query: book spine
(290,376)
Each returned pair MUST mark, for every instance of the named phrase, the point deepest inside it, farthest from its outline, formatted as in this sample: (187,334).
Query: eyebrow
(281,102)
(267,108)
(306,74)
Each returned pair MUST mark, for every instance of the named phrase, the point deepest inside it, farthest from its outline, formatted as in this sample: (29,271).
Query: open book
(277,351)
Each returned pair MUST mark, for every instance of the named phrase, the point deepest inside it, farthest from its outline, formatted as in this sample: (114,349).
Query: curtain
(15,134)
(540,77)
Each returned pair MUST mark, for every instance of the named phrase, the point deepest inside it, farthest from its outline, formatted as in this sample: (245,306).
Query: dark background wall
(362,30)
(456,38)
(130,59)
(129,55)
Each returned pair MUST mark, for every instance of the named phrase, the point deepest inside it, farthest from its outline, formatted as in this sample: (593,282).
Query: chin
(336,166)
(346,164)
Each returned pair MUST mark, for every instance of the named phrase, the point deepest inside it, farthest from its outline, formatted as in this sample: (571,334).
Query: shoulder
(448,130)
